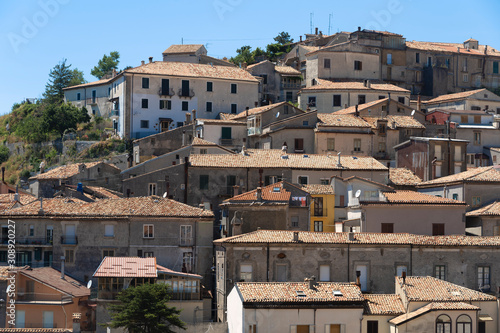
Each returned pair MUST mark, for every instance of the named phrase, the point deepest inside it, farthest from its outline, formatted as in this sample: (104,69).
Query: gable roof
(396,121)
(383,304)
(183,48)
(52,278)
(431,289)
(341,120)
(286,292)
(261,109)
(432,307)
(492,209)
(7,200)
(403,176)
(185,69)
(452,48)
(413,198)
(68,171)
(366,106)
(357,178)
(480,174)
(353,85)
(287,70)
(127,267)
(268,194)
(454,97)
(90,84)
(318,189)
(274,158)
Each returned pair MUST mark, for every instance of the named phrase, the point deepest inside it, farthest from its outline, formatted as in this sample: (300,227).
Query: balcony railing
(254,131)
(30,241)
(186,241)
(183,93)
(69,240)
(91,100)
(290,86)
(167,92)
(226,142)
(115,112)
(39,325)
(32,297)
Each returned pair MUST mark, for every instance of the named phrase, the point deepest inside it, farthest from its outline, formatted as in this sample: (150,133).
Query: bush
(12,179)
(25,174)
(4,154)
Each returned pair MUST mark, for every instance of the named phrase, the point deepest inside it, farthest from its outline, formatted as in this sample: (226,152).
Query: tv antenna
(329,23)
(311,15)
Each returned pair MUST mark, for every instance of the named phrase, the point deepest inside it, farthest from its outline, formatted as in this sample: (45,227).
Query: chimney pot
(316,30)
(150,59)
(403,275)
(142,62)
(259,193)
(311,281)
(359,28)
(295,236)
(301,38)
(351,236)
(194,114)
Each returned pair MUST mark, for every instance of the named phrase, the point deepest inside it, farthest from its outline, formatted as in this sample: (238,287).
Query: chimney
(339,164)
(194,114)
(150,59)
(295,236)
(246,111)
(351,236)
(359,28)
(244,65)
(3,174)
(311,281)
(403,275)
(365,82)
(114,72)
(188,118)
(63,259)
(368,84)
(486,49)
(321,33)
(16,195)
(356,113)
(316,30)
(201,206)
(300,38)
(236,190)
(358,275)
(259,193)
(419,103)
(142,62)
(458,49)
(40,212)
(76,322)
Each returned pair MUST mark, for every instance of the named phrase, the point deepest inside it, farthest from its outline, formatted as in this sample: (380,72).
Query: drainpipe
(267,269)
(186,162)
(348,264)
(411,259)
(247,189)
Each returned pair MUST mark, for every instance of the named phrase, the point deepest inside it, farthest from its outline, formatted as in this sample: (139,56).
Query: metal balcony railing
(34,297)
(69,240)
(31,241)
(91,100)
(166,92)
(226,142)
(183,93)
(254,131)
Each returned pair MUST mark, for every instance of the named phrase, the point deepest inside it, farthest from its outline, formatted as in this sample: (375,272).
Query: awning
(352,223)
(485,317)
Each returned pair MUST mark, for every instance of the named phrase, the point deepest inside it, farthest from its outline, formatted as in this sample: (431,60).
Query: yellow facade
(322,212)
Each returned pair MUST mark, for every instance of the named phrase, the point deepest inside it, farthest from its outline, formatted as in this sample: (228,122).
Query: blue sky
(36,35)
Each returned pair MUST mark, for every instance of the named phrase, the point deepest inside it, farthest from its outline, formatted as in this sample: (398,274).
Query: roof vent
(284,157)
(337,293)
(300,293)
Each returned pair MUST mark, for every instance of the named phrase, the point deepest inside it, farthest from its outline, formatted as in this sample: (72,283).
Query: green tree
(144,309)
(106,64)
(244,54)
(60,77)
(4,154)
(283,38)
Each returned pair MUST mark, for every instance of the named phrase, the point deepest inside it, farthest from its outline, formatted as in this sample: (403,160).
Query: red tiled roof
(432,307)
(492,209)
(413,197)
(481,174)
(185,69)
(451,48)
(287,70)
(286,292)
(109,208)
(455,96)
(353,85)
(127,267)
(67,171)
(183,48)
(341,120)
(268,194)
(89,84)
(105,192)
(386,304)
(307,237)
(361,107)
(318,189)
(259,110)
(51,277)
(403,176)
(395,122)
(172,272)
(7,200)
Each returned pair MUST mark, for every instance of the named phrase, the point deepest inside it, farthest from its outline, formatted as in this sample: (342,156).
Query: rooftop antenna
(311,15)
(182,40)
(329,23)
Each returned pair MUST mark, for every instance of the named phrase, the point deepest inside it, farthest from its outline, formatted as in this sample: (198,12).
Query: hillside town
(350,185)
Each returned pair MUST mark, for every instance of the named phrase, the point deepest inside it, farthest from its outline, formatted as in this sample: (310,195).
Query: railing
(254,131)
(69,240)
(30,241)
(182,93)
(226,142)
(41,297)
(39,325)
(185,296)
(290,85)
(91,100)
(167,92)
(186,241)
(115,112)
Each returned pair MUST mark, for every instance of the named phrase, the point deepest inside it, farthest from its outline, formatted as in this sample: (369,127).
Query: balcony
(33,241)
(42,298)
(226,142)
(186,93)
(91,101)
(290,85)
(167,92)
(254,131)
(69,240)
(115,113)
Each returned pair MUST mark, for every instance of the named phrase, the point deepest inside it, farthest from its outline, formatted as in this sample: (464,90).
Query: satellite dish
(9,287)
(358,193)
(165,194)
(413,112)
(277,114)
(89,284)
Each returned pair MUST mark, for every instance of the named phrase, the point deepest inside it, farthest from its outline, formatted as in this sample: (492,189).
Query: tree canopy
(144,309)
(106,65)
(272,53)
(60,77)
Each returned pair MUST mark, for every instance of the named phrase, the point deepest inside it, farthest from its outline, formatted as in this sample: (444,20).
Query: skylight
(300,293)
(337,293)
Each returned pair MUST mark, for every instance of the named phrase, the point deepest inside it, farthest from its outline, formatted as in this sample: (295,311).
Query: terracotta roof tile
(185,69)
(273,192)
(52,278)
(286,292)
(172,272)
(127,267)
(67,171)
(430,289)
(109,208)
(306,237)
(492,209)
(318,189)
(353,85)
(403,176)
(412,197)
(201,142)
(287,70)
(274,158)
(432,307)
(105,192)
(361,107)
(341,120)
(183,48)
(395,122)
(258,110)
(451,47)
(481,174)
(89,84)
(222,122)
(387,304)
(453,97)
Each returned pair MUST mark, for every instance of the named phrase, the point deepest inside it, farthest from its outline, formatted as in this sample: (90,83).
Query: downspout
(65,317)
(132,108)
(247,189)
(186,165)
(411,259)
(267,270)
(348,264)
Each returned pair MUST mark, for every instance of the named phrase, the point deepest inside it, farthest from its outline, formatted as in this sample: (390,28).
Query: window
(464,65)
(185,88)
(439,272)
(165,87)
(417,58)
(49,234)
(389,59)
(387,228)
(246,273)
(69,256)
(337,100)
(465,78)
(324,181)
(326,63)
(234,88)
(437,229)
(455,196)
(483,278)
(357,145)
(381,147)
(203,182)
(281,272)
(145,83)
(464,324)
(144,123)
(443,324)
(78,96)
(109,230)
(152,189)
(299,145)
(234,108)
(295,221)
(311,101)
(185,106)
(32,230)
(94,96)
(381,97)
(186,235)
(447,63)
(149,254)
(165,104)
(372,325)
(330,144)
(495,67)
(203,151)
(289,98)
(418,76)
(108,253)
(401,100)
(318,226)
(144,103)
(358,65)
(252,328)
(324,273)
(148,231)
(264,78)
(209,107)
(400,269)
(187,262)
(226,133)
(361,99)
(210,86)
(429,61)
(305,123)
(318,206)
(477,138)
(302,180)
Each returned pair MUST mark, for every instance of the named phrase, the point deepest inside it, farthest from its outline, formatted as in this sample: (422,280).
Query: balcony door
(70,233)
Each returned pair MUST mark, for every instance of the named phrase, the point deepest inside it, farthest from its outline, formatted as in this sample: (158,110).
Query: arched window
(443,324)
(464,324)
